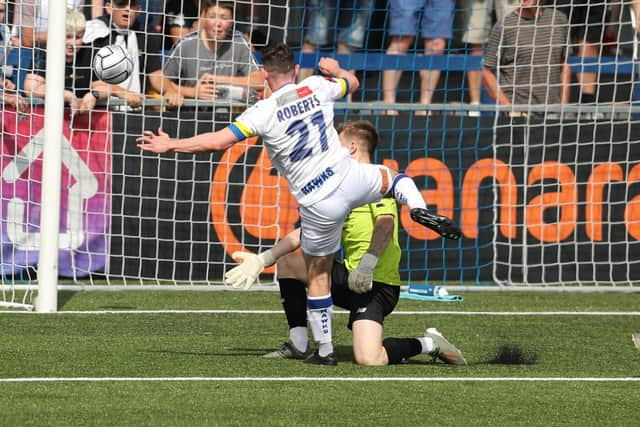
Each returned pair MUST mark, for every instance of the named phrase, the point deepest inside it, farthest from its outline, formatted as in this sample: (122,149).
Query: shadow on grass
(118,307)
(64,297)
(343,352)
(513,354)
(193,353)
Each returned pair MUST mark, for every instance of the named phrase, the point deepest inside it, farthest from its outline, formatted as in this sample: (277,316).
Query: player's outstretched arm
(162,142)
(330,67)
(251,265)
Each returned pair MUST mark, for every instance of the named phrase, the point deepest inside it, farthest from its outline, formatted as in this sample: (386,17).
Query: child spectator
(217,58)
(77,73)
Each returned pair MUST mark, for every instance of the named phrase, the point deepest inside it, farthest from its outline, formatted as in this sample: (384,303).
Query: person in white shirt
(31,18)
(296,126)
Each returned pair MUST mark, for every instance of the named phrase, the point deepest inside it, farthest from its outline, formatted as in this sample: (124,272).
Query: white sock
(325,349)
(299,338)
(406,192)
(427,344)
(319,315)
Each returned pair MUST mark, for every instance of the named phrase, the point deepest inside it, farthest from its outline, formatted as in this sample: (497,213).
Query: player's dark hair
(362,130)
(205,5)
(278,58)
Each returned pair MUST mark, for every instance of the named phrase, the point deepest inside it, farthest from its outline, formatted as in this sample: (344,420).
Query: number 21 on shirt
(301,148)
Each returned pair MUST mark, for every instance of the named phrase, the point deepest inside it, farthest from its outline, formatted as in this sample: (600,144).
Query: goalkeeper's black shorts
(374,305)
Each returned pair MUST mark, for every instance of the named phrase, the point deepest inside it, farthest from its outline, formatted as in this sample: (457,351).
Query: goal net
(564,161)
(544,191)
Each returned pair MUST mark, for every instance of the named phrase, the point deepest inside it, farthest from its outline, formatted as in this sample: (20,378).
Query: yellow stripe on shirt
(343,84)
(244,129)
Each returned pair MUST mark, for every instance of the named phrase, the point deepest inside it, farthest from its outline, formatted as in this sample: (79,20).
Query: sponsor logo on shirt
(303,91)
(317,182)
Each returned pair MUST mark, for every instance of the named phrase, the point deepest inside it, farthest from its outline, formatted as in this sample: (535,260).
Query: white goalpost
(47,299)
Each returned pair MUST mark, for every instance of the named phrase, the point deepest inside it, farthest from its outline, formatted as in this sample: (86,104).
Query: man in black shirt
(118,26)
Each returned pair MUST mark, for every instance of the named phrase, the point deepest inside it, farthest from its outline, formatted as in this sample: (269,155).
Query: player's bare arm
(331,67)
(287,244)
(162,142)
(382,234)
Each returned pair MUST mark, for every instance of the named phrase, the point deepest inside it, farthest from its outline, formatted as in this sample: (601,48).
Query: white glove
(249,269)
(361,279)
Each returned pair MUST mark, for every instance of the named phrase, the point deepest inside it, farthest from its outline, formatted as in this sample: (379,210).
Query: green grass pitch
(91,367)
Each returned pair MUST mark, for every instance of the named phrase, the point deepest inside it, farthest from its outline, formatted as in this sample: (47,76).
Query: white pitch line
(320,379)
(406,313)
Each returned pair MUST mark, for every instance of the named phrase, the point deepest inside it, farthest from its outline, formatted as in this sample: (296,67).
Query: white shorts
(477,14)
(321,223)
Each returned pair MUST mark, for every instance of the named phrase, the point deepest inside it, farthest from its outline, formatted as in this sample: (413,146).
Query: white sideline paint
(395,313)
(321,379)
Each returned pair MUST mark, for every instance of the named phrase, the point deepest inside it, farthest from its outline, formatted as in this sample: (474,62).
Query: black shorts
(587,21)
(374,305)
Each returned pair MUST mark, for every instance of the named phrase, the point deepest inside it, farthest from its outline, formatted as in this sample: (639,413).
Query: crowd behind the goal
(206,50)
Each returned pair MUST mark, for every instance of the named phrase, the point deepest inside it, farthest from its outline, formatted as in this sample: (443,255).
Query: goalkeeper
(367,284)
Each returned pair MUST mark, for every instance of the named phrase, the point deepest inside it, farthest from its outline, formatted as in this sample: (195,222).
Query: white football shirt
(296,126)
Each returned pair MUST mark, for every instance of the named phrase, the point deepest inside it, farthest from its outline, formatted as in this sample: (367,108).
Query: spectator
(5,40)
(352,20)
(477,18)
(97,9)
(587,29)
(118,26)
(151,15)
(181,18)
(77,73)
(8,93)
(436,25)
(30,19)
(215,58)
(525,59)
(5,32)
(612,26)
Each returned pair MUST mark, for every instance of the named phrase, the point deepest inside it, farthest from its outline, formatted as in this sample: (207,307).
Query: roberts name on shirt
(300,107)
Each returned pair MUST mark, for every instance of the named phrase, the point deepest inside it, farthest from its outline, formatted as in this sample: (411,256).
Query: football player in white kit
(296,127)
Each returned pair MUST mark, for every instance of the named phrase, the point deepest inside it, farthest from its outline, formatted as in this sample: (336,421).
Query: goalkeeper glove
(251,265)
(361,279)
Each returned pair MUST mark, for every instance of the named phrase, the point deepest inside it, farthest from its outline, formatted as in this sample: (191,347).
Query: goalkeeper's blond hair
(362,131)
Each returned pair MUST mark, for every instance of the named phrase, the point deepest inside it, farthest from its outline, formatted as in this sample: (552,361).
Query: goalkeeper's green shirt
(356,237)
